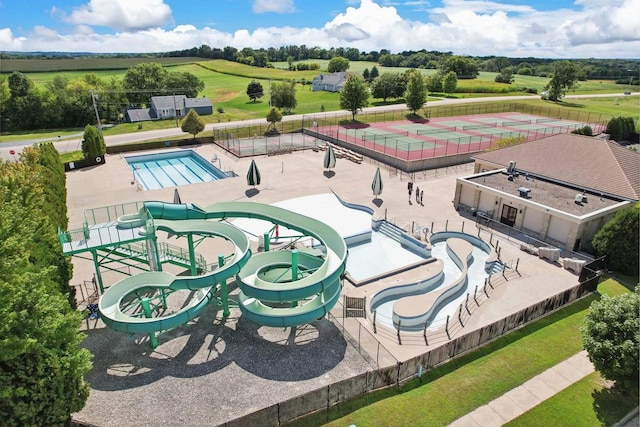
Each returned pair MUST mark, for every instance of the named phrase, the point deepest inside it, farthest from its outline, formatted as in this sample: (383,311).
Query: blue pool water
(154,171)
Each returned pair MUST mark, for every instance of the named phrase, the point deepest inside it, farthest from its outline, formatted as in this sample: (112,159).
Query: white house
(560,189)
(329,82)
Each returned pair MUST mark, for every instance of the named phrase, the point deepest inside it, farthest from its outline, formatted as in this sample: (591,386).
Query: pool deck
(213,370)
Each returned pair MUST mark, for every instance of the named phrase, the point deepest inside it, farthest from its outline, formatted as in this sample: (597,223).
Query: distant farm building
(329,82)
(170,107)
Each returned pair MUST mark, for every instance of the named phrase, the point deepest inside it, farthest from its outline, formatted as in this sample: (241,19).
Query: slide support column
(146,307)
(192,256)
(223,290)
(294,271)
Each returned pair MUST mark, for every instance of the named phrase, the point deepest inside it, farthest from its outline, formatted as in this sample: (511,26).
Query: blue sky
(513,28)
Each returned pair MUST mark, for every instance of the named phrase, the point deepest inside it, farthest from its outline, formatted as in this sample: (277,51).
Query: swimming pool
(175,168)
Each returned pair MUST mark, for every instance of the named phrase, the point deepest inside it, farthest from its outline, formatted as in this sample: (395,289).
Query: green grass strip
(448,392)
(586,403)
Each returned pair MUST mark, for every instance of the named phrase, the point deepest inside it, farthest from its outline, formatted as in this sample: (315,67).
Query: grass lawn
(589,402)
(457,388)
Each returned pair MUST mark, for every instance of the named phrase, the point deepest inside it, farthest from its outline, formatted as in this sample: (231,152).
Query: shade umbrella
(329,158)
(176,197)
(376,185)
(253,175)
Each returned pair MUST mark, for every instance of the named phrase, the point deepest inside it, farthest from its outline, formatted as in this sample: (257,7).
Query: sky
(512,28)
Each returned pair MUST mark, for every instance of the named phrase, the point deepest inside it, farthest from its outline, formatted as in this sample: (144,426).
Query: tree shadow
(251,192)
(416,118)
(377,201)
(353,124)
(611,404)
(329,174)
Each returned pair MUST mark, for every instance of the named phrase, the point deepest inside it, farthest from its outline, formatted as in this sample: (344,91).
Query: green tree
(388,85)
(619,240)
(283,96)
(416,94)
(450,82)
(465,68)
(254,90)
(192,123)
(563,79)
(188,84)
(19,84)
(93,143)
(434,83)
(41,364)
(338,64)
(354,94)
(610,334)
(274,116)
(374,73)
(365,75)
(145,80)
(505,76)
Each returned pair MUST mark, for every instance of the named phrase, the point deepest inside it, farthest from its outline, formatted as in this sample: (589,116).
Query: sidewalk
(521,399)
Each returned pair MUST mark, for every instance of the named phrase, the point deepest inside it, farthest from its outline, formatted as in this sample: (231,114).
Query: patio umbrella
(376,185)
(253,175)
(329,158)
(176,197)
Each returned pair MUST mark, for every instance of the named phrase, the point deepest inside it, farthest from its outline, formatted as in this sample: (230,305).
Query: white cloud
(122,15)
(605,29)
(276,6)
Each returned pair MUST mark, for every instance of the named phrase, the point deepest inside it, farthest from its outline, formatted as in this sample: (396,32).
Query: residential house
(329,82)
(170,107)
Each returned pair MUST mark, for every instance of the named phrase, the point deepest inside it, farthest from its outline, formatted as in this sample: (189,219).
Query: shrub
(610,334)
(619,240)
(585,130)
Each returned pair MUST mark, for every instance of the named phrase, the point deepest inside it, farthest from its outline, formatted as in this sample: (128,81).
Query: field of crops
(83,64)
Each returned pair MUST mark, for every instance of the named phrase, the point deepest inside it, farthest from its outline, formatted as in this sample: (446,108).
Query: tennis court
(445,136)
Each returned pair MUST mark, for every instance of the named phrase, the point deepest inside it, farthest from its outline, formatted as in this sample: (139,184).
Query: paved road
(73,143)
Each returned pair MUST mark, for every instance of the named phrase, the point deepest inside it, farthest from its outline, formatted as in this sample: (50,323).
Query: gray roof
(197,102)
(139,114)
(168,102)
(583,161)
(333,78)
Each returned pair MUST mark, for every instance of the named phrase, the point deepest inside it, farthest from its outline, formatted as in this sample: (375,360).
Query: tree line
(621,70)
(41,363)
(65,102)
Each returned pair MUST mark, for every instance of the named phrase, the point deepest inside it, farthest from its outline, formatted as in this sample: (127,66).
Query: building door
(508,215)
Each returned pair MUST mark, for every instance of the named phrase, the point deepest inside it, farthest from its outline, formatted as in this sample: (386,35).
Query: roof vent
(578,199)
(524,192)
(512,166)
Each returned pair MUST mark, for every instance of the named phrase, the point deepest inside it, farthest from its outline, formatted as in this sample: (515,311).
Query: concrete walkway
(521,399)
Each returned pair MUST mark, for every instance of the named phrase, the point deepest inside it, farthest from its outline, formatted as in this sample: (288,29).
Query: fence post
(460,315)
(466,304)
(485,289)
(475,293)
(446,327)
(517,263)
(424,332)
(446,226)
(398,332)
(374,321)
(463,226)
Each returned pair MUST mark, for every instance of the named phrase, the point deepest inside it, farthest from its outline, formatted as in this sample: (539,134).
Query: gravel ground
(210,371)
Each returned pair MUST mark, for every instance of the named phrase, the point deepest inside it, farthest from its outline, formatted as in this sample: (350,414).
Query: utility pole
(175,111)
(95,108)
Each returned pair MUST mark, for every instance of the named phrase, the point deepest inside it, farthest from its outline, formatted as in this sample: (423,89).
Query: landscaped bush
(585,130)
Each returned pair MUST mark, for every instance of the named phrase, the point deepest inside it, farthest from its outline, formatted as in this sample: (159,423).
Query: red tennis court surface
(445,136)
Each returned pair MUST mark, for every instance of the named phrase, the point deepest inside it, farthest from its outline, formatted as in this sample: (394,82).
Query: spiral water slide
(269,295)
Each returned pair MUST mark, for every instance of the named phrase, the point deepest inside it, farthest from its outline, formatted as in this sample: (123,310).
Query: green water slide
(269,294)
